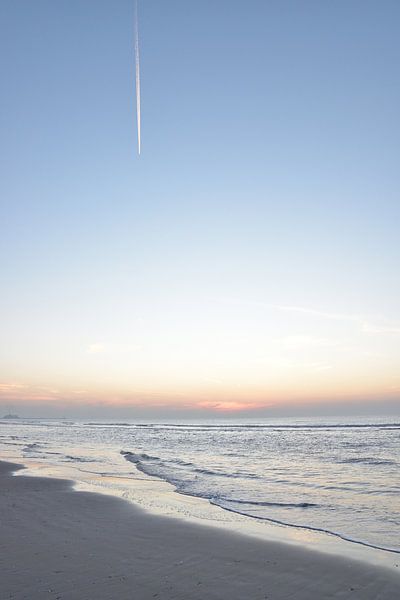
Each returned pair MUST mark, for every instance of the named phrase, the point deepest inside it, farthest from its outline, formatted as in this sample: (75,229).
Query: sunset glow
(247,260)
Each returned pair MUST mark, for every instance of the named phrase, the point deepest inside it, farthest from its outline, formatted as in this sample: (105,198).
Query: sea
(339,477)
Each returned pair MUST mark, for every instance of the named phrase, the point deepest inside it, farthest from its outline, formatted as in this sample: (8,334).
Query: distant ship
(11,416)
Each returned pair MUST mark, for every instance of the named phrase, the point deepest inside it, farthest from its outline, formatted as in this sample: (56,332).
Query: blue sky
(268,180)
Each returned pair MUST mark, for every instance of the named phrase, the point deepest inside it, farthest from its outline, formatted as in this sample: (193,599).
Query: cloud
(213,380)
(11,387)
(229,405)
(96,349)
(17,391)
(299,342)
(381,329)
(110,348)
(317,366)
(366,324)
(318,313)
(379,325)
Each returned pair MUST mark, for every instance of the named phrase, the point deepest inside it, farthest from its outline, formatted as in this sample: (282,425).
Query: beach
(200,326)
(71,545)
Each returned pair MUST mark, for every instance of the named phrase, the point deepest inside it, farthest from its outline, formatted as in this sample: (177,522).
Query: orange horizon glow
(214,401)
(208,369)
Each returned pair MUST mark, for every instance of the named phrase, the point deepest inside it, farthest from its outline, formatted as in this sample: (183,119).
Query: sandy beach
(61,544)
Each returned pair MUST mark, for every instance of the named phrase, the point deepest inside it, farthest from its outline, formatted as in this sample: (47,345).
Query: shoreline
(60,543)
(352,519)
(159,497)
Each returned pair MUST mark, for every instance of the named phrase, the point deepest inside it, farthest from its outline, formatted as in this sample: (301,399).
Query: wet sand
(61,544)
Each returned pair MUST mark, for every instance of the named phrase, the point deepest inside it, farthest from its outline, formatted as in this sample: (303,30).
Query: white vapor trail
(137,61)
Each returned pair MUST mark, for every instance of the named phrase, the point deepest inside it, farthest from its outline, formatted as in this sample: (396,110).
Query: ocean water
(336,476)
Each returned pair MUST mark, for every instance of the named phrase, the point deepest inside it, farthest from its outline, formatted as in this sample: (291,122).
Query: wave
(77,458)
(156,467)
(13,443)
(272,504)
(31,447)
(111,424)
(308,528)
(244,426)
(236,475)
(138,459)
(42,453)
(367,460)
(389,426)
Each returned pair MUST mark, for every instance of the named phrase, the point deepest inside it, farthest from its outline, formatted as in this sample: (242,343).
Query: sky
(247,261)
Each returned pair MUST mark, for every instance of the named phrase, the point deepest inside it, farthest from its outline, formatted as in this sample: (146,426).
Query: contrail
(137,61)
